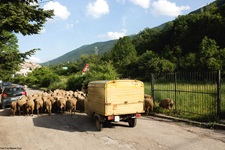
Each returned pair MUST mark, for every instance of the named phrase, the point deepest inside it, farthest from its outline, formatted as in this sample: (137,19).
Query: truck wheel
(2,106)
(132,122)
(98,124)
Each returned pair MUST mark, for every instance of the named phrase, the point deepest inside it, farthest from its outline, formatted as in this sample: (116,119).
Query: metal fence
(196,94)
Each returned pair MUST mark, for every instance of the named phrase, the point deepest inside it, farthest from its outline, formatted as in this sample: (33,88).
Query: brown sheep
(48,106)
(71,105)
(61,104)
(21,104)
(167,104)
(30,106)
(80,101)
(38,104)
(149,104)
(13,107)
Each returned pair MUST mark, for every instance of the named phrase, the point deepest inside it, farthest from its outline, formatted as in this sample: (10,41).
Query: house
(26,68)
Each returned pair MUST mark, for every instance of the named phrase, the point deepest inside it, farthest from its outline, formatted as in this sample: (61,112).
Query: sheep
(38,104)
(61,104)
(13,106)
(30,106)
(21,104)
(166,104)
(80,96)
(149,104)
(71,105)
(54,104)
(48,106)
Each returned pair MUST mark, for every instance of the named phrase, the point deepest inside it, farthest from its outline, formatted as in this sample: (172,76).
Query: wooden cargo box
(115,97)
(115,100)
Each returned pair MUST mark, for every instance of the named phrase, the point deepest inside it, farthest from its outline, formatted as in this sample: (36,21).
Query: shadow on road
(79,122)
(5,112)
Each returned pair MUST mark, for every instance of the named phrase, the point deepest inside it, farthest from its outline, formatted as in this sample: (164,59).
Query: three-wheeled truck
(115,100)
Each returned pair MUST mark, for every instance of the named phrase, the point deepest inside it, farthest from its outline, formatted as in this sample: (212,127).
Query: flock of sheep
(166,103)
(52,101)
(61,100)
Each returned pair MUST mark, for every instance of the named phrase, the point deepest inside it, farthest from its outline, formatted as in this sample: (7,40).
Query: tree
(42,77)
(150,62)
(146,39)
(18,16)
(100,71)
(22,16)
(10,56)
(123,54)
(210,56)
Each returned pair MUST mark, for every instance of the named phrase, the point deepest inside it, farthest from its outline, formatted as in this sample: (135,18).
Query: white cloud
(98,8)
(114,35)
(60,11)
(143,3)
(33,59)
(167,8)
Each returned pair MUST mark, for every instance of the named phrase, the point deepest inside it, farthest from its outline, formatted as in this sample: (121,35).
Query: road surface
(66,132)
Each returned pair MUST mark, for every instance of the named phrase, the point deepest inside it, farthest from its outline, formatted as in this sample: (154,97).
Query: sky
(83,22)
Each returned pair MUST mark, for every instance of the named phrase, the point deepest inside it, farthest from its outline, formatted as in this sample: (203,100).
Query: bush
(96,72)
(42,77)
(19,80)
(75,82)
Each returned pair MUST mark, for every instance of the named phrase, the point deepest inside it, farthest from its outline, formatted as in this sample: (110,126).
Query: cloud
(60,11)
(114,35)
(143,3)
(167,8)
(98,8)
(33,59)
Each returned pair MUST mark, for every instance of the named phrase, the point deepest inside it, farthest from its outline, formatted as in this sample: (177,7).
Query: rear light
(110,117)
(24,93)
(4,95)
(138,115)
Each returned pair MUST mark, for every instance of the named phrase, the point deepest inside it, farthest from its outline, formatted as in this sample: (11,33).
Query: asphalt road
(58,132)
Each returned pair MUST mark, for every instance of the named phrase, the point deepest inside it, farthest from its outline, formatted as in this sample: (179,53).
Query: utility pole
(96,50)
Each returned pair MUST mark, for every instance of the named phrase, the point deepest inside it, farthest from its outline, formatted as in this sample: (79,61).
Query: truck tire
(132,122)
(2,106)
(98,124)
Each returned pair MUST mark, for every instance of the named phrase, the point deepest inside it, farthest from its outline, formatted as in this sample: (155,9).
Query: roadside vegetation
(193,42)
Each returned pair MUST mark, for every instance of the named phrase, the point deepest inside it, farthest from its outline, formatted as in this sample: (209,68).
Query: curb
(195,123)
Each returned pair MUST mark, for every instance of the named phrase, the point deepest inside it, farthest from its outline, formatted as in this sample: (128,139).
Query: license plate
(117,118)
(14,98)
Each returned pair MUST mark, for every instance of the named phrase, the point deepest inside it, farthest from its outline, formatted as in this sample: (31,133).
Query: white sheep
(21,104)
(30,106)
(71,104)
(39,104)
(13,106)
(61,104)
(48,106)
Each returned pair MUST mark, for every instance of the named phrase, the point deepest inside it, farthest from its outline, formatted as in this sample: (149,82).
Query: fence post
(152,87)
(218,93)
(175,90)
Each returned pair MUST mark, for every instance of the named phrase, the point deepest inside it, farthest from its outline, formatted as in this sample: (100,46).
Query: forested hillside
(75,55)
(181,40)
(193,42)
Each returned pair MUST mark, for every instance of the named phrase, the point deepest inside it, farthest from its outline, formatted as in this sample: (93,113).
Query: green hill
(103,47)
(74,55)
